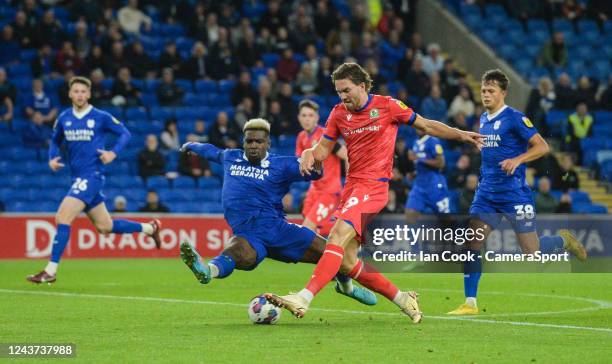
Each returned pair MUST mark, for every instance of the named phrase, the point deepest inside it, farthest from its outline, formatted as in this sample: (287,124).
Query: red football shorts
(319,207)
(361,198)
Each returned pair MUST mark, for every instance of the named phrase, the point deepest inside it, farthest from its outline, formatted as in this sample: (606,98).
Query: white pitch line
(177,300)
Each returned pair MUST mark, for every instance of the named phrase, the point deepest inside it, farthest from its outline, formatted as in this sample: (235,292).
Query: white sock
(398,299)
(214,270)
(346,287)
(147,228)
(51,268)
(471,301)
(306,294)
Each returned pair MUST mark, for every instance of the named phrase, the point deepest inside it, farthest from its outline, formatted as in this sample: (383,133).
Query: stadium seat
(205,86)
(209,182)
(185,84)
(226,86)
(270,59)
(155,182)
(162,113)
(562,25)
(136,113)
(184,182)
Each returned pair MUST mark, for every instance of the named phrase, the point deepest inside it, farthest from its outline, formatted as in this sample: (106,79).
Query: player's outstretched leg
(344,286)
(564,241)
(220,266)
(152,228)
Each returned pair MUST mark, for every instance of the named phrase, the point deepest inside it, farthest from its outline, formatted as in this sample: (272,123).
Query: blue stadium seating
(155,182)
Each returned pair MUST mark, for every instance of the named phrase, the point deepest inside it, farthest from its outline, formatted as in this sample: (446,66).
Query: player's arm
(441,130)
(205,150)
(116,127)
(54,147)
(341,152)
(318,153)
(437,162)
(537,149)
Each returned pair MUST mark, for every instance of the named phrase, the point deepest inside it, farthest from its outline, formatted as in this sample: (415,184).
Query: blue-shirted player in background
(254,184)
(511,141)
(429,191)
(82,130)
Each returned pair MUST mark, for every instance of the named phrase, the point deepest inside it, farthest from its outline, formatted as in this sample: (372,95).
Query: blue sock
(225,263)
(342,278)
(59,243)
(126,226)
(551,244)
(472,270)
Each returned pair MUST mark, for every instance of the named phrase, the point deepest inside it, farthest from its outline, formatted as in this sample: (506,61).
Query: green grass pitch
(144,310)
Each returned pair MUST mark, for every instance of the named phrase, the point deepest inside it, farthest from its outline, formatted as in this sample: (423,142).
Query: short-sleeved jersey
(253,191)
(330,182)
(507,136)
(370,134)
(428,147)
(83,137)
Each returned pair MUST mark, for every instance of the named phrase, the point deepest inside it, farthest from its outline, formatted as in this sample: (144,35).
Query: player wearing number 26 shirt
(82,130)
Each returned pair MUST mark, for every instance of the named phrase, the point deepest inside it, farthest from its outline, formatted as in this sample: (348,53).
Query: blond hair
(257,124)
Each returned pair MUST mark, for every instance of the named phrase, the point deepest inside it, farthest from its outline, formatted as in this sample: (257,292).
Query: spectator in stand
(585,92)
(288,109)
(554,53)
(37,134)
(6,108)
(392,50)
(67,59)
(545,202)
(416,81)
(565,204)
(273,18)
(343,36)
(90,10)
(248,54)
(303,34)
(466,195)
(117,59)
(95,60)
(449,80)
(9,46)
(569,177)
(416,44)
(398,184)
(572,10)
(43,63)
(307,82)
(64,88)
(225,64)
(367,49)
(198,134)
(168,92)
(131,19)
(100,95)
(111,36)
(153,204)
(266,43)
(212,29)
(170,139)
(605,100)
(401,160)
(199,65)
(325,18)
(49,30)
(433,61)
(434,106)
(23,31)
(566,96)
(244,89)
(548,166)
(123,87)
(378,80)
(81,40)
(244,112)
(264,91)
(197,24)
(580,125)
(325,69)
(7,89)
(119,204)
(392,206)
(287,67)
(540,101)
(170,57)
(150,161)
(223,133)
(462,103)
(459,173)
(191,164)
(141,65)
(40,105)
(278,124)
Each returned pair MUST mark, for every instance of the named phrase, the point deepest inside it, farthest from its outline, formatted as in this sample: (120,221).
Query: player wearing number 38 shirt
(82,130)
(511,140)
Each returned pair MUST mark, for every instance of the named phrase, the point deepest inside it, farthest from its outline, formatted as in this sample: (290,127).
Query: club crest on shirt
(68,123)
(497,124)
(91,123)
(265,164)
(349,116)
(527,122)
(374,113)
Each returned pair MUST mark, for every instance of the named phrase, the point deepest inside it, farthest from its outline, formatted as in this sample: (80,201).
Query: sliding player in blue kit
(511,141)
(82,130)
(254,184)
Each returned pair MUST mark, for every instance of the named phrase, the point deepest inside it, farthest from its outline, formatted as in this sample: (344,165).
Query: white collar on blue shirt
(493,116)
(80,114)
(264,162)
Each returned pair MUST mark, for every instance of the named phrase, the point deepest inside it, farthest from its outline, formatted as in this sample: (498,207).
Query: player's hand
(186,147)
(307,162)
(475,139)
(412,156)
(510,165)
(107,156)
(55,164)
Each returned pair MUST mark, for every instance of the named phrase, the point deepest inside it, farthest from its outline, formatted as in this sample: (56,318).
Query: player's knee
(244,256)
(104,227)
(341,234)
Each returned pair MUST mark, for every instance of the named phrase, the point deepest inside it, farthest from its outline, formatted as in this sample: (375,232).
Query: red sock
(372,279)
(326,268)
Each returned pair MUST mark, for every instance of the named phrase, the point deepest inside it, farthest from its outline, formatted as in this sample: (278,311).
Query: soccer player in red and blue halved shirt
(368,123)
(82,130)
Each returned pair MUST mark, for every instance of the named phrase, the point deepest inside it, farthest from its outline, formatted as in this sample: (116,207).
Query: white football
(263,312)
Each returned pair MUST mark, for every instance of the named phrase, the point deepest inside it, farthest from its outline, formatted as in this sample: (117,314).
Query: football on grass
(263,312)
